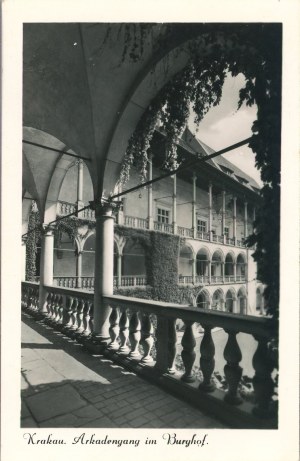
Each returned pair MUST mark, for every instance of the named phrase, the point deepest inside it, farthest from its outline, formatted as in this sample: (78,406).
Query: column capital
(47,228)
(104,206)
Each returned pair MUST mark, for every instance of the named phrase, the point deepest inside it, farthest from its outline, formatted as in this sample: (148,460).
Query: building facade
(209,207)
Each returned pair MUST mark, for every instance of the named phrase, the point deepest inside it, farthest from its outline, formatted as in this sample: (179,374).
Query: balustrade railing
(74,282)
(64,208)
(216,279)
(203,236)
(229,278)
(135,323)
(240,278)
(132,221)
(163,227)
(130,281)
(185,232)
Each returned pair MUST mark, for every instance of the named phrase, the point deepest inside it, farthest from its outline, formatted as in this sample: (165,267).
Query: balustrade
(134,323)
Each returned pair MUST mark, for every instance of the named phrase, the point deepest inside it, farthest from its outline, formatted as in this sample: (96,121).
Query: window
(163,215)
(201,225)
(226,232)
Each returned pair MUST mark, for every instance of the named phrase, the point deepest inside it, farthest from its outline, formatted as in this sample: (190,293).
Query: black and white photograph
(151,163)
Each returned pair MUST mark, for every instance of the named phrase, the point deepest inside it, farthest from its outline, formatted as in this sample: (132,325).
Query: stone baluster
(172,345)
(262,382)
(207,361)
(52,309)
(232,370)
(147,338)
(60,319)
(86,319)
(135,334)
(48,305)
(56,309)
(188,353)
(68,315)
(114,329)
(124,331)
(80,324)
(74,324)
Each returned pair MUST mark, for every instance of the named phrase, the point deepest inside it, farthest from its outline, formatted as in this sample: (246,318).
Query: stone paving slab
(64,386)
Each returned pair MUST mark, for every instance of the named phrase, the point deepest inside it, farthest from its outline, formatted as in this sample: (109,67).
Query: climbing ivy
(33,237)
(215,50)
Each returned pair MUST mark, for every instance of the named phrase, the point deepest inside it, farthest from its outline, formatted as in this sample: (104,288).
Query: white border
(233,445)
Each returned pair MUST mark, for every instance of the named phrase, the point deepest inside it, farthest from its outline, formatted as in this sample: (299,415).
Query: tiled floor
(64,386)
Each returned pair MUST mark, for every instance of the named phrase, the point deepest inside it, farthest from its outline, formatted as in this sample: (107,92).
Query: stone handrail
(135,322)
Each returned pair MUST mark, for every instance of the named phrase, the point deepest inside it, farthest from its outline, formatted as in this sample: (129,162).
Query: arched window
(203,300)
(202,262)
(185,266)
(241,265)
(242,301)
(64,258)
(229,301)
(229,265)
(218,300)
(88,256)
(216,264)
(134,258)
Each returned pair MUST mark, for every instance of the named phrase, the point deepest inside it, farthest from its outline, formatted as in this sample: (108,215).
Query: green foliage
(255,51)
(33,238)
(163,273)
(70,225)
(135,292)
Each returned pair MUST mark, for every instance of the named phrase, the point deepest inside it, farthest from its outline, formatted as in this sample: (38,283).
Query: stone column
(119,269)
(23,258)
(234,306)
(194,268)
(246,220)
(104,275)
(209,272)
(79,269)
(46,264)
(150,195)
(174,204)
(254,217)
(223,270)
(80,186)
(210,211)
(234,219)
(234,271)
(223,215)
(194,220)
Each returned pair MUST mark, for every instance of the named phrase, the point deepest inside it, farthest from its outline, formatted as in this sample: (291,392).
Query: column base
(96,344)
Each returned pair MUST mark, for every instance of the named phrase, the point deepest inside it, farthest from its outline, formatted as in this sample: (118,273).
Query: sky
(224,125)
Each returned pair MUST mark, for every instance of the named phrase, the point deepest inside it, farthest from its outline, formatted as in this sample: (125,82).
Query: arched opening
(203,300)
(77,186)
(218,300)
(229,265)
(260,300)
(230,301)
(242,301)
(202,261)
(185,266)
(134,259)
(64,258)
(216,266)
(88,256)
(241,267)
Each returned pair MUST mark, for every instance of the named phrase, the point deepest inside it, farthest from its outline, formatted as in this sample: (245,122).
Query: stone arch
(88,255)
(134,257)
(218,300)
(229,264)
(217,261)
(242,300)
(241,265)
(203,299)
(230,300)
(260,305)
(202,261)
(186,258)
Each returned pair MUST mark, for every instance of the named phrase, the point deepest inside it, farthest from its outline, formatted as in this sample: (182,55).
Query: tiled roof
(190,142)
